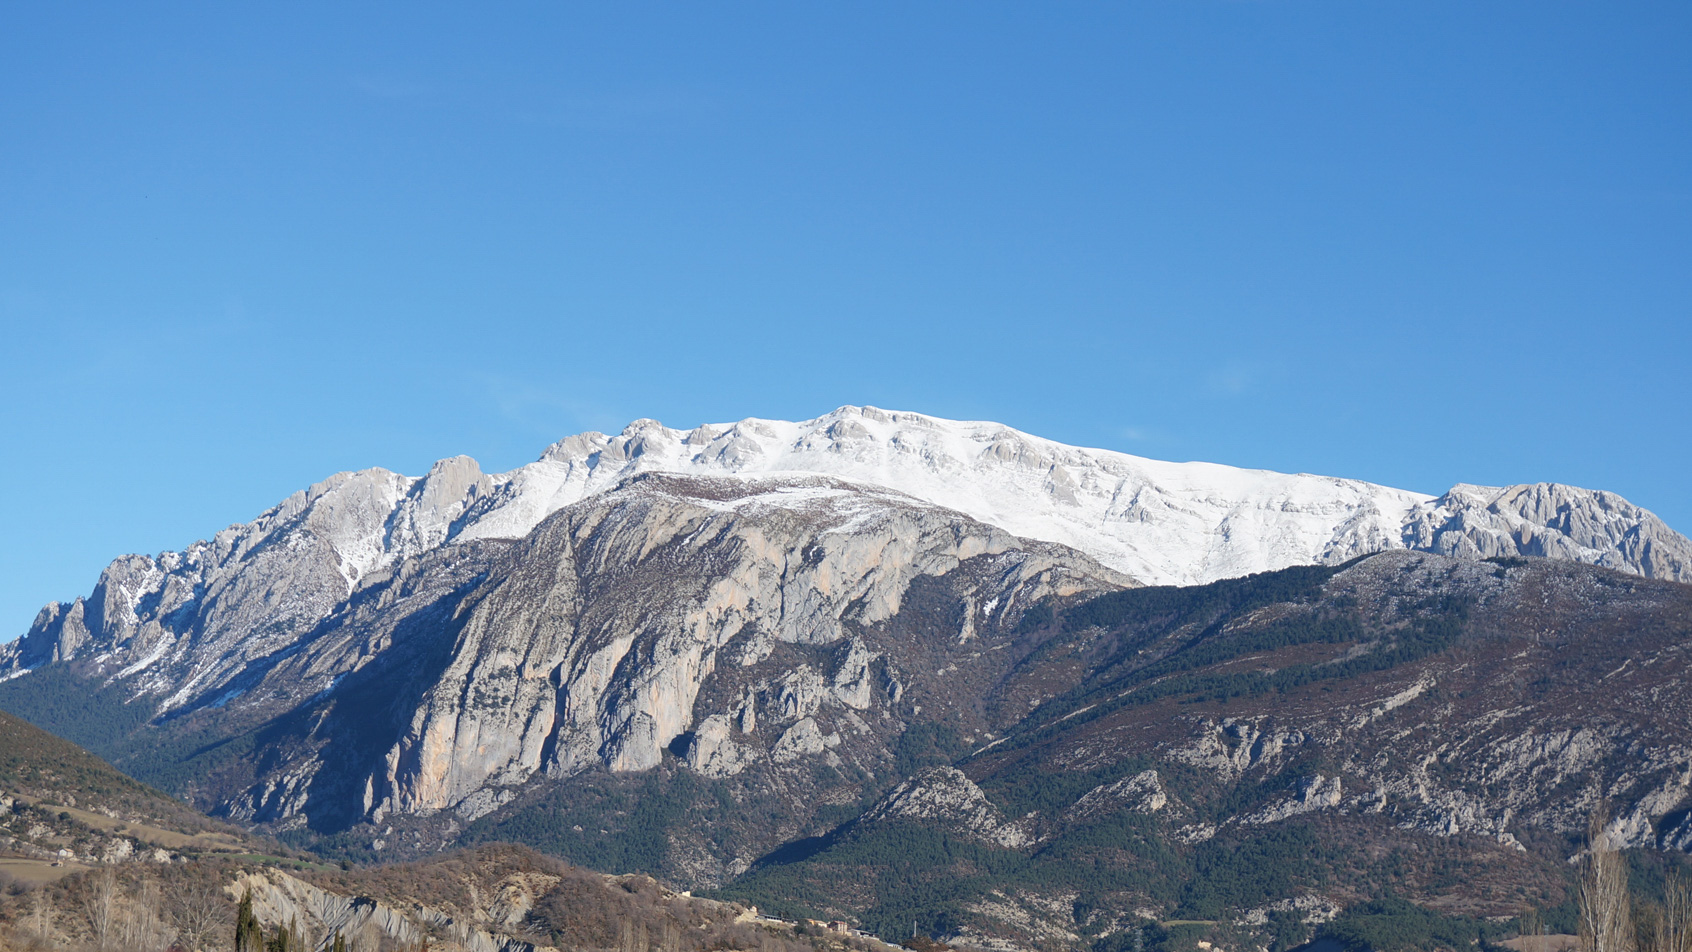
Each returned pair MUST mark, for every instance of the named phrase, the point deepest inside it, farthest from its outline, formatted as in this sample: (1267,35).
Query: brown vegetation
(133,908)
(151,908)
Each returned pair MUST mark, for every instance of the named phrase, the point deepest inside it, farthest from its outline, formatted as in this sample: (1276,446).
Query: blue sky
(245,246)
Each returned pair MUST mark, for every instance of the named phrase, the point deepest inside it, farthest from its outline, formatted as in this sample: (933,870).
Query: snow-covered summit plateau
(1161,523)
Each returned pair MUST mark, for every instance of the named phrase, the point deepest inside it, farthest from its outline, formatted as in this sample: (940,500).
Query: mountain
(255,589)
(782,658)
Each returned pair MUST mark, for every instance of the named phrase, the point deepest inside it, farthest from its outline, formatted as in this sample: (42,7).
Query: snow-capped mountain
(1161,523)
(252,589)
(762,605)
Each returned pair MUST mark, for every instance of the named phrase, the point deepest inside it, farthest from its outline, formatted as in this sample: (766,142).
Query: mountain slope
(40,766)
(62,808)
(1304,739)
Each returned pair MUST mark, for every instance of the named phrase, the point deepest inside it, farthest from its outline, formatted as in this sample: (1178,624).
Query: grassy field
(37,871)
(207,841)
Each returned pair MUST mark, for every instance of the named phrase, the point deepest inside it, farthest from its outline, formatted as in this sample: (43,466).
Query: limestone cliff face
(446,678)
(592,648)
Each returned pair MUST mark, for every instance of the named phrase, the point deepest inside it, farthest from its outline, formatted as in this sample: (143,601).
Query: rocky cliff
(738,621)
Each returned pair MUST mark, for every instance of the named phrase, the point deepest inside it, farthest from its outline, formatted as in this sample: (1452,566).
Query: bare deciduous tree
(1606,906)
(99,900)
(1672,924)
(142,926)
(201,917)
(38,925)
(1531,922)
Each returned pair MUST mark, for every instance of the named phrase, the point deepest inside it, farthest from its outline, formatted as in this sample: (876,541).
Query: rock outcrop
(945,798)
(1547,520)
(591,649)
(282,900)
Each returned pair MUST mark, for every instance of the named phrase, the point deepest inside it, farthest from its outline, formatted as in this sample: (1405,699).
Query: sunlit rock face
(447,678)
(1547,520)
(592,648)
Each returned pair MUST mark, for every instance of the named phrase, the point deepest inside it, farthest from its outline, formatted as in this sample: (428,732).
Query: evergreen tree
(249,937)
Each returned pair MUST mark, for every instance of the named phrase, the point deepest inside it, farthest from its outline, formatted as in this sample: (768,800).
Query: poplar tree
(1606,904)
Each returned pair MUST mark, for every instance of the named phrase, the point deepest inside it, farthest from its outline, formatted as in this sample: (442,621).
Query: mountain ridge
(1160,523)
